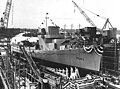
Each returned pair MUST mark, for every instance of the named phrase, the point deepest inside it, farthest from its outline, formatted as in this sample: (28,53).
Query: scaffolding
(20,71)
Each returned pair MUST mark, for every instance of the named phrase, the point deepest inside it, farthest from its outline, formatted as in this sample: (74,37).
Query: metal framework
(85,15)
(7,13)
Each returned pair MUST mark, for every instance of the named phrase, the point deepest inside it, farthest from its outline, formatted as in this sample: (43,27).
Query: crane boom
(7,13)
(85,15)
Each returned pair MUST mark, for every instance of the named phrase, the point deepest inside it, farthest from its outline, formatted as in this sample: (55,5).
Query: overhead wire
(95,13)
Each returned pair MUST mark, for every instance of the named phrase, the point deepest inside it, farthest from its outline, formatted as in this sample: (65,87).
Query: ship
(82,48)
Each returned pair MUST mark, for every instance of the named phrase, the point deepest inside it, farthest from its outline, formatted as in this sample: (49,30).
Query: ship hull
(73,57)
(82,71)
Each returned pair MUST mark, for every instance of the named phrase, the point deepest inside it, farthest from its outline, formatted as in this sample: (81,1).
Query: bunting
(88,49)
(98,49)
(50,20)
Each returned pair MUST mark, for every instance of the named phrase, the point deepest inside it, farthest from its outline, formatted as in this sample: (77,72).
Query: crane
(107,19)
(5,19)
(85,15)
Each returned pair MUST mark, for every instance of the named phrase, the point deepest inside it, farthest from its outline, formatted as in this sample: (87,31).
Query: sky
(32,13)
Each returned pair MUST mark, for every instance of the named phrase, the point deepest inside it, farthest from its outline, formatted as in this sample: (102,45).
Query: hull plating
(74,57)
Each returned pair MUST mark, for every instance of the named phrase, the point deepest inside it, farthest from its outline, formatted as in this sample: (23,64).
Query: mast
(46,21)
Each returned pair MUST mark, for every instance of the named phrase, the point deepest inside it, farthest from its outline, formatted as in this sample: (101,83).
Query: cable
(95,14)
